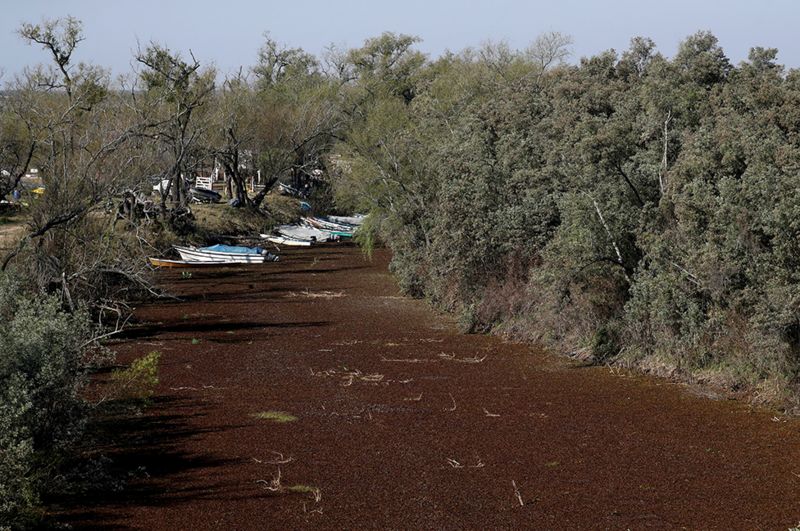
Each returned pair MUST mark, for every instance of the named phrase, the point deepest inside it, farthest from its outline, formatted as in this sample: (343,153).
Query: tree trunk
(259,198)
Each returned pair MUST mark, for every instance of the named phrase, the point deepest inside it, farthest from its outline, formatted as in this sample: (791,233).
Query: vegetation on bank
(630,208)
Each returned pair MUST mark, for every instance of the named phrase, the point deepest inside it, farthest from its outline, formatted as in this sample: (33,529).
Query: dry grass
(349,376)
(408,360)
(517,494)
(316,294)
(278,459)
(314,491)
(453,408)
(452,357)
(276,485)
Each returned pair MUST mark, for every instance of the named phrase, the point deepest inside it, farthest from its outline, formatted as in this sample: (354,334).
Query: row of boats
(310,231)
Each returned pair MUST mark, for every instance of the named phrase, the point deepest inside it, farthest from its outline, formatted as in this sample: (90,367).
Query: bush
(138,382)
(41,413)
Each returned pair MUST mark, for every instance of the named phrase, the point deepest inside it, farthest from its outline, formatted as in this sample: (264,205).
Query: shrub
(41,413)
(137,382)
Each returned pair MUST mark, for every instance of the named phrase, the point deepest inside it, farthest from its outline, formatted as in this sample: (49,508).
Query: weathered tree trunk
(663,174)
(259,198)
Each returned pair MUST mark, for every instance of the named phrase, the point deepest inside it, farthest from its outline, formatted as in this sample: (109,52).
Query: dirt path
(402,422)
(10,234)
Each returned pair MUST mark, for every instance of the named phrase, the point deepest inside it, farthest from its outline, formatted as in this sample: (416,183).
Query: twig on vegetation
(273,485)
(279,459)
(490,414)
(318,510)
(516,492)
(407,360)
(454,403)
(414,398)
(453,463)
(452,357)
(350,376)
(317,295)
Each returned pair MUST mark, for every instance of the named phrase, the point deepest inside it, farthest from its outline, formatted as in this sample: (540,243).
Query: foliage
(639,207)
(139,380)
(41,413)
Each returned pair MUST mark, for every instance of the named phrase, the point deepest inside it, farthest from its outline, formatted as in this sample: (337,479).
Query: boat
(163,262)
(204,195)
(226,254)
(328,225)
(356,221)
(283,240)
(285,189)
(334,231)
(300,232)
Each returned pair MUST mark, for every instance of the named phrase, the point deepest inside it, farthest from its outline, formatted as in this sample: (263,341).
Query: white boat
(194,254)
(355,220)
(325,224)
(300,232)
(283,240)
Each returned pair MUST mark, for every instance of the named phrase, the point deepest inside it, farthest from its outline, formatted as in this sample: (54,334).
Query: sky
(228,33)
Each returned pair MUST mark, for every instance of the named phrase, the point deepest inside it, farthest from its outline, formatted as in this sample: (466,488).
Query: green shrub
(137,382)
(42,415)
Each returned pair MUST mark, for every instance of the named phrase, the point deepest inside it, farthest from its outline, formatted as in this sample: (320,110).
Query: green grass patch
(195,341)
(274,416)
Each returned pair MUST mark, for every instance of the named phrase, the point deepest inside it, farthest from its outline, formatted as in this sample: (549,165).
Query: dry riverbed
(309,393)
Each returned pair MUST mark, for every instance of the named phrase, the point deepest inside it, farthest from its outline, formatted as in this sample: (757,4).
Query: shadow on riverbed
(160,330)
(145,455)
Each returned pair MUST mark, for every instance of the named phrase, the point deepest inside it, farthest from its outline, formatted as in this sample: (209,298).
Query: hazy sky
(228,33)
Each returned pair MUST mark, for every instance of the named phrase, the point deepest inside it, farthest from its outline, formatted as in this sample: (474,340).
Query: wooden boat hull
(164,263)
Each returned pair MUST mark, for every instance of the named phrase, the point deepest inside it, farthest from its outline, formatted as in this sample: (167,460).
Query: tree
(175,93)
(235,128)
(299,115)
(388,64)
(73,134)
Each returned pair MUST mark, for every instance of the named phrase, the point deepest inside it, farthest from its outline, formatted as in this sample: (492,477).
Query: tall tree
(176,91)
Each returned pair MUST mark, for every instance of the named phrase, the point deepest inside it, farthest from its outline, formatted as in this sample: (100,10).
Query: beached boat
(225,254)
(163,262)
(303,232)
(204,195)
(327,225)
(334,230)
(283,240)
(355,221)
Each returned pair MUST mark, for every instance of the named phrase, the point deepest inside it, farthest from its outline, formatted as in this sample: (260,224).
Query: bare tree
(175,91)
(550,49)
(234,130)
(78,133)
